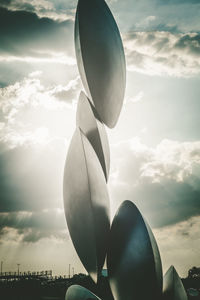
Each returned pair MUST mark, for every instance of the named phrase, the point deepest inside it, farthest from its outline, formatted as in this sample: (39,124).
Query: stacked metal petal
(133,259)
(101,62)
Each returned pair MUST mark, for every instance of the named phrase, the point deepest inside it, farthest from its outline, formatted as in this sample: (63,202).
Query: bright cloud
(26,109)
(163,53)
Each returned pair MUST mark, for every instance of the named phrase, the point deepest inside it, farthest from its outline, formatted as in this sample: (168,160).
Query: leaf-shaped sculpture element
(173,288)
(94,130)
(75,292)
(100,58)
(86,203)
(133,260)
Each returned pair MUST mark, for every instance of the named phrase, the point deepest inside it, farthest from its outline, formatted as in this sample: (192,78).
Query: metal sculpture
(86,204)
(102,71)
(77,292)
(100,58)
(94,130)
(133,257)
(173,288)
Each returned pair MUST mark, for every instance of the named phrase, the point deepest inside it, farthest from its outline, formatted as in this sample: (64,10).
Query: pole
(18,268)
(69,270)
(1,267)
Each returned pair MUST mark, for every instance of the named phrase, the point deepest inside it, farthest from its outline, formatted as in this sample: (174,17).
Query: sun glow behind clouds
(33,113)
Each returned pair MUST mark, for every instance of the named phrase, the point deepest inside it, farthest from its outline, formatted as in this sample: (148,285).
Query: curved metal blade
(173,288)
(133,260)
(75,292)
(100,58)
(95,131)
(86,203)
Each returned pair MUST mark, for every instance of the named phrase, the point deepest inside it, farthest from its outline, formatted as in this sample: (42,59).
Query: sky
(155,146)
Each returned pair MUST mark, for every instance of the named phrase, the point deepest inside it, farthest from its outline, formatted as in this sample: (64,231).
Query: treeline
(50,289)
(55,289)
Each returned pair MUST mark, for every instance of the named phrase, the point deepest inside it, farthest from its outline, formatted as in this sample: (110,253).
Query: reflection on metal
(77,292)
(134,265)
(100,58)
(86,204)
(94,130)
(173,288)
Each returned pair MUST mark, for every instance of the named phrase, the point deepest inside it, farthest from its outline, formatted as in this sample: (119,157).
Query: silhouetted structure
(133,257)
(25,275)
(173,288)
(52,288)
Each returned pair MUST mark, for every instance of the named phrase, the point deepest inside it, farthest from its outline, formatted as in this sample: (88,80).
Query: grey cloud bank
(163,53)
(163,181)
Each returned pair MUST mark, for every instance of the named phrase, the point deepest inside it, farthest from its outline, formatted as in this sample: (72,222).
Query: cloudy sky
(155,147)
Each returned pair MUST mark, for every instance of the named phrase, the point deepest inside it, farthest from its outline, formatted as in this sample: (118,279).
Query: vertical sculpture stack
(133,259)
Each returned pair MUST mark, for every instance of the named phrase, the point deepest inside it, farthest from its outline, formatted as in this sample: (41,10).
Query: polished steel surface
(100,58)
(94,130)
(77,292)
(133,259)
(173,288)
(86,203)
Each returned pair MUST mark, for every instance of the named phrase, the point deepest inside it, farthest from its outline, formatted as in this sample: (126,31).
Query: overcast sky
(155,147)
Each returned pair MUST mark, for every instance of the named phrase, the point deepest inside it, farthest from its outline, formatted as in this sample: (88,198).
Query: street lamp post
(18,268)
(1,267)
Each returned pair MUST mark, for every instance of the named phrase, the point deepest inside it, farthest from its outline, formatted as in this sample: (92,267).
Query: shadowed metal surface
(133,259)
(77,292)
(173,288)
(100,58)
(94,130)
(86,203)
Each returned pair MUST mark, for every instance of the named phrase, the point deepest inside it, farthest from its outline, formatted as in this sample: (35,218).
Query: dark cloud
(59,10)
(5,2)
(163,189)
(24,33)
(167,202)
(29,43)
(32,227)
(189,43)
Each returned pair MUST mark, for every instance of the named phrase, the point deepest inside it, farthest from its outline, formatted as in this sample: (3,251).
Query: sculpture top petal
(133,260)
(75,292)
(173,288)
(100,58)
(86,203)
(94,130)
